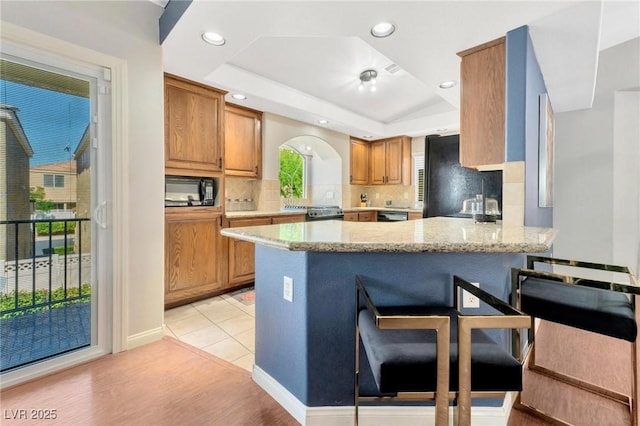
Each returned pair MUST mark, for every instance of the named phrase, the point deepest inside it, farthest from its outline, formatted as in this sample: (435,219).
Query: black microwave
(190,191)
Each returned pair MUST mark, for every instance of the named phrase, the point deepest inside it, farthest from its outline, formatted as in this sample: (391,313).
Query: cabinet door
(394,161)
(350,217)
(359,162)
(194,259)
(193,127)
(415,215)
(378,163)
(482,105)
(369,216)
(243,142)
(242,266)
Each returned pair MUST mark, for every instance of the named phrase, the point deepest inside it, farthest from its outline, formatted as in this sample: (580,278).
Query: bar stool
(598,306)
(436,353)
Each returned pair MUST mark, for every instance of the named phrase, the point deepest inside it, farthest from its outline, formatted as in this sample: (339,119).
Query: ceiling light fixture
(447,84)
(368,77)
(367,136)
(323,121)
(383,29)
(239,96)
(213,38)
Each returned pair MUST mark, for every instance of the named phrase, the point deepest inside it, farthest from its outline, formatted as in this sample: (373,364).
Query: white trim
(147,336)
(378,415)
(12,378)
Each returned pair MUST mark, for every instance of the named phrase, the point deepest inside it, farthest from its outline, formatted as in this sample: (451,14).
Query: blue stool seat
(405,360)
(601,311)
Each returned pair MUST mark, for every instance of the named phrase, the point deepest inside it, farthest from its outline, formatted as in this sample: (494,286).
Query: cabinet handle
(350,179)
(256,170)
(220,162)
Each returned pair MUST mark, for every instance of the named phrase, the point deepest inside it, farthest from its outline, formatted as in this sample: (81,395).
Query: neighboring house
(82,156)
(59,182)
(15,151)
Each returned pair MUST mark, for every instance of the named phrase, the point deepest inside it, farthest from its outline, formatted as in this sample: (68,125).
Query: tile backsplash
(251,194)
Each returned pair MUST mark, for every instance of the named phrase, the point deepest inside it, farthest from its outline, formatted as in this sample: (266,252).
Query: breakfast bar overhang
(305,346)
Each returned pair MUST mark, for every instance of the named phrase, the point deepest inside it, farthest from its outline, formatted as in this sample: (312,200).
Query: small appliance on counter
(481,211)
(364,200)
(190,191)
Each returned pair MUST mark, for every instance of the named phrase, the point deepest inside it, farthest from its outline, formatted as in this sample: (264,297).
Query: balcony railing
(39,273)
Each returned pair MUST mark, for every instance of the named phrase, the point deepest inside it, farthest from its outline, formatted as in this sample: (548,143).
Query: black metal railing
(33,298)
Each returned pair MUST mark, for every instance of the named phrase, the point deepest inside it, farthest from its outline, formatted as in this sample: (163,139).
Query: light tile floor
(223,326)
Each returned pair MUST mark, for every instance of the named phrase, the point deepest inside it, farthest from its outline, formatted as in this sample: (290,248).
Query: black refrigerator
(447,184)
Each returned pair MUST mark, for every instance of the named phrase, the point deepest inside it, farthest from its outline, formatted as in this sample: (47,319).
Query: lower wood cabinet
(195,262)
(368,216)
(241,254)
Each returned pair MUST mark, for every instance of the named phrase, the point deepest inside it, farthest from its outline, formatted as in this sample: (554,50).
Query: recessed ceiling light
(239,96)
(383,29)
(367,136)
(447,84)
(441,129)
(213,38)
(323,121)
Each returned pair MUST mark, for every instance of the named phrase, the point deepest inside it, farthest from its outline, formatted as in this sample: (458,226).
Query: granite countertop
(262,213)
(436,234)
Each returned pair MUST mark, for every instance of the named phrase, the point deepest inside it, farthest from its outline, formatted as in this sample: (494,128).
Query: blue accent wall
(172,13)
(525,84)
(308,345)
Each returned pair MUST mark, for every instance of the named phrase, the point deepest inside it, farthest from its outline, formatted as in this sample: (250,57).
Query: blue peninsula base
(307,345)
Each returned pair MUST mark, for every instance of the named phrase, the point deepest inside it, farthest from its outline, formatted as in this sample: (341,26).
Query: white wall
(127,30)
(593,147)
(278,129)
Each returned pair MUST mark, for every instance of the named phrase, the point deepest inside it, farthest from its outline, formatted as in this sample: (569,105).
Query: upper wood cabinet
(482,105)
(193,124)
(243,142)
(359,170)
(390,161)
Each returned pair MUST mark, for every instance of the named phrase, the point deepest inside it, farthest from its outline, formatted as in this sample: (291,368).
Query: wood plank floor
(598,359)
(169,383)
(162,383)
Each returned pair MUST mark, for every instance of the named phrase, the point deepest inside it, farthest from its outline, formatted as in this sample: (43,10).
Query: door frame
(30,45)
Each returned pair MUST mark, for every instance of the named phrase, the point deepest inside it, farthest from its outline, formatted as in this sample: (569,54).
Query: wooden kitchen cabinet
(390,161)
(359,162)
(242,142)
(241,254)
(415,215)
(482,105)
(368,216)
(194,127)
(195,264)
(350,217)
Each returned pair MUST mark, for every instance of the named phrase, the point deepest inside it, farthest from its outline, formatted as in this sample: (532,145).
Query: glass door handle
(100,214)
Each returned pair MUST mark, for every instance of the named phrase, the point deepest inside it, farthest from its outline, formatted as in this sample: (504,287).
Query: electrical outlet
(288,289)
(469,300)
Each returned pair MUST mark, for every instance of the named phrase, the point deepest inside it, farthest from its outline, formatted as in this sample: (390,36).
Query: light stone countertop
(436,234)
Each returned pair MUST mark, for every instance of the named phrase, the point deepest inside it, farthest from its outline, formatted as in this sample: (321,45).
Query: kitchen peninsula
(305,338)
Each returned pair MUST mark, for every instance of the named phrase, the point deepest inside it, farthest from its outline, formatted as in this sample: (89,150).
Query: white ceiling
(302,59)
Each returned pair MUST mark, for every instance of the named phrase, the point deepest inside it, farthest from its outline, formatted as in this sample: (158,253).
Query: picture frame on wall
(545,152)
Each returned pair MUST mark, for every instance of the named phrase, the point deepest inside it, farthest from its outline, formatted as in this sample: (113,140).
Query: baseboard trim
(378,415)
(145,337)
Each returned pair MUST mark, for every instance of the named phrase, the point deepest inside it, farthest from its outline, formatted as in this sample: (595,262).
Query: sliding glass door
(53,227)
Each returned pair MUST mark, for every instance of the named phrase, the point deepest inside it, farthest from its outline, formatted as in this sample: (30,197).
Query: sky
(51,120)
